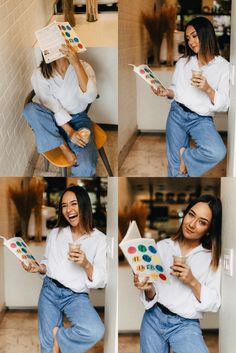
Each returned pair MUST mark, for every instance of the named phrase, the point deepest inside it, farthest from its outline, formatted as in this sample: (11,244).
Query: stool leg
(46,164)
(105,161)
(64,172)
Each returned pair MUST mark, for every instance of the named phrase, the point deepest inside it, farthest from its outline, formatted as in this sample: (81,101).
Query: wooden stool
(57,158)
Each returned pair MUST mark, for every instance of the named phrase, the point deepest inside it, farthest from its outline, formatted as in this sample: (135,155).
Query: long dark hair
(47,70)
(85,209)
(212,239)
(207,39)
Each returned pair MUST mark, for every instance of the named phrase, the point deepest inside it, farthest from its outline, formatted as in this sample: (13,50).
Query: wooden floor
(18,333)
(111,152)
(147,158)
(130,343)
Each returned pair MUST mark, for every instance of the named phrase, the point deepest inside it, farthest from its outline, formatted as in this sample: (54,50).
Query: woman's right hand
(162,92)
(34,269)
(77,139)
(148,287)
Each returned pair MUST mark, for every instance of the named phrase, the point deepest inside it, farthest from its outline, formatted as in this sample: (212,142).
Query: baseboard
(109,127)
(126,148)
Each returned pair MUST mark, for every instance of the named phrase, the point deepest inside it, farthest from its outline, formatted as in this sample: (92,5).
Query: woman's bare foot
(56,348)
(182,167)
(70,156)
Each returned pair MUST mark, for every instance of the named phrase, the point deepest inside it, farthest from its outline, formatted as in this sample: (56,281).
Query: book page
(20,249)
(143,257)
(50,41)
(132,232)
(53,36)
(148,75)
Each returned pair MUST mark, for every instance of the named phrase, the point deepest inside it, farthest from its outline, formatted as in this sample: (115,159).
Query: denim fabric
(48,136)
(86,326)
(209,150)
(160,331)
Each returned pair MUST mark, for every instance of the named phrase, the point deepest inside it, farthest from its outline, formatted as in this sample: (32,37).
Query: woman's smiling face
(70,208)
(197,222)
(192,39)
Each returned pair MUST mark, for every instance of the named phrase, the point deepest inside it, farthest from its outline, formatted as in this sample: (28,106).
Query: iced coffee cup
(85,134)
(196,73)
(72,247)
(177,260)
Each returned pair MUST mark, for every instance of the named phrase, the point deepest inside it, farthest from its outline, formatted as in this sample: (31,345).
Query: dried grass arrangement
(26,197)
(68,9)
(162,23)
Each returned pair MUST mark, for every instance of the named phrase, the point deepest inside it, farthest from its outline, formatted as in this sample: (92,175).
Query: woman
(196,98)
(64,89)
(69,276)
(173,310)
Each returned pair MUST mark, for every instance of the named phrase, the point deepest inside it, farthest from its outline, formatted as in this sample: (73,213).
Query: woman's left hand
(79,257)
(70,53)
(183,272)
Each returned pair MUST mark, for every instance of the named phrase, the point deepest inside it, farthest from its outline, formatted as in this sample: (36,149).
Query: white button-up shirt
(63,96)
(177,296)
(67,272)
(217,74)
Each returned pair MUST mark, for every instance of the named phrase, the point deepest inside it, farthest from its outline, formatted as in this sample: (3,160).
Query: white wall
(19,20)
(227,338)
(231,170)
(111,305)
(133,47)
(2,287)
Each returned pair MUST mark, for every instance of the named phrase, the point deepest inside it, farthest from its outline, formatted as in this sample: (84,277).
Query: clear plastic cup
(74,246)
(179,259)
(85,134)
(196,73)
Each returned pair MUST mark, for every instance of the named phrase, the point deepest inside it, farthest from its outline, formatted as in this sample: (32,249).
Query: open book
(147,75)
(19,248)
(142,255)
(53,36)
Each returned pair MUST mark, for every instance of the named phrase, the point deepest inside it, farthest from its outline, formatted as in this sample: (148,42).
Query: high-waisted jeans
(209,150)
(160,331)
(86,326)
(49,135)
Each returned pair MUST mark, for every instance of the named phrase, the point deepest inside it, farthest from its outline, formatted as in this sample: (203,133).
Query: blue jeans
(160,331)
(86,326)
(209,150)
(49,135)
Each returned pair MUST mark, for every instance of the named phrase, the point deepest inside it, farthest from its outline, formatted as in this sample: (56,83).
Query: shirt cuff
(210,300)
(99,280)
(148,304)
(91,92)
(62,117)
(221,103)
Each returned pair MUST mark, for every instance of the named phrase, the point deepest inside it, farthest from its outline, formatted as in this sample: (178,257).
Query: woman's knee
(93,333)
(29,111)
(215,153)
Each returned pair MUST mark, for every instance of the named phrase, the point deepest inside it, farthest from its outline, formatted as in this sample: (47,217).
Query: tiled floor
(111,152)
(18,333)
(147,158)
(130,343)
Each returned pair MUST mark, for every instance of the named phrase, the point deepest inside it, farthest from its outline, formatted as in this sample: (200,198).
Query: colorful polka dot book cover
(143,256)
(52,37)
(20,249)
(147,75)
